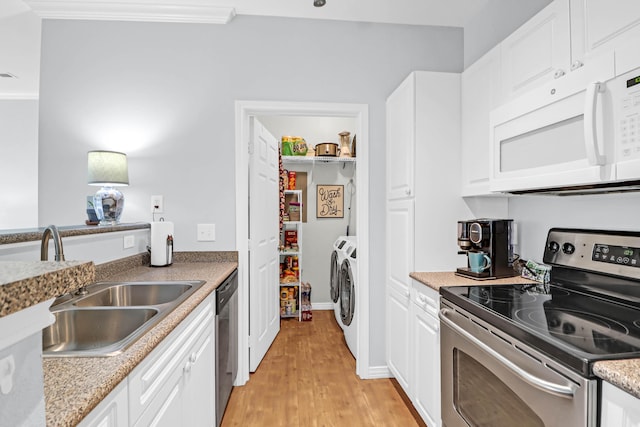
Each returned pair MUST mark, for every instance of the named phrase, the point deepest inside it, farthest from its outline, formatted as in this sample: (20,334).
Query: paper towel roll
(161,243)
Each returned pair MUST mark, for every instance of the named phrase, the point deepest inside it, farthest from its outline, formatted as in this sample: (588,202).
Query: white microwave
(580,131)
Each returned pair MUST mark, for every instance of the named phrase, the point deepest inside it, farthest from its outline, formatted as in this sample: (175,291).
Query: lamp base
(108,203)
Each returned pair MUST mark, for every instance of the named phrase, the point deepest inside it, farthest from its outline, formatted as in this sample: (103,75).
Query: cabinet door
(400,244)
(165,410)
(401,140)
(426,372)
(112,411)
(481,93)
(601,25)
(538,51)
(199,395)
(399,358)
(619,409)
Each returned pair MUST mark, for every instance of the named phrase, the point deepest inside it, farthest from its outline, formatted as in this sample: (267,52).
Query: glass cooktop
(573,327)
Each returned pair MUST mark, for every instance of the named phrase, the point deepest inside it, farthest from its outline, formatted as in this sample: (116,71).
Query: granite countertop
(437,279)
(24,284)
(8,237)
(73,386)
(624,374)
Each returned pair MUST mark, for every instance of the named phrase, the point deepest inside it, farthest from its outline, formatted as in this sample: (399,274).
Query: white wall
(164,94)
(494,23)
(19,170)
(319,233)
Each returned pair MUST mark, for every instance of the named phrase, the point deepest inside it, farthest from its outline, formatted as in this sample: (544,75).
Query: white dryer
(337,256)
(348,294)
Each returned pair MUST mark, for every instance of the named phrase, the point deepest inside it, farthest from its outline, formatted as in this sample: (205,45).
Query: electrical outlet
(129,241)
(206,232)
(157,204)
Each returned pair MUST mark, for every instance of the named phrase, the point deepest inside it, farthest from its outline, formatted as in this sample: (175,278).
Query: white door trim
(245,109)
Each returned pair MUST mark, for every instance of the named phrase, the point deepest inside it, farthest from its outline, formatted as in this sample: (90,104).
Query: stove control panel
(622,255)
(600,251)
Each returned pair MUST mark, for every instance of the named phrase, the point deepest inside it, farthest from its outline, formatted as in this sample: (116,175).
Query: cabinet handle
(576,64)
(187,367)
(193,358)
(408,191)
(590,128)
(559,73)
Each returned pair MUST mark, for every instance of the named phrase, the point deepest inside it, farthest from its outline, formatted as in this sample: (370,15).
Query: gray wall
(164,94)
(494,23)
(535,215)
(19,170)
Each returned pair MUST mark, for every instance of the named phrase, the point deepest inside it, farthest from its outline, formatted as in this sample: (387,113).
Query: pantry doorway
(245,112)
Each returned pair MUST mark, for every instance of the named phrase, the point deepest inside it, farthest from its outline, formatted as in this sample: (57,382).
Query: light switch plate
(206,232)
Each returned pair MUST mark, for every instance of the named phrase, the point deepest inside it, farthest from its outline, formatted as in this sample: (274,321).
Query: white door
(264,311)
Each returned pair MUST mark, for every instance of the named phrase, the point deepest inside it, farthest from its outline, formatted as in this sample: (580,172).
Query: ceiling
(20,26)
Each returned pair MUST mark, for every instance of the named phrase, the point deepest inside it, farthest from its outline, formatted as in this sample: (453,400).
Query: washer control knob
(553,246)
(568,248)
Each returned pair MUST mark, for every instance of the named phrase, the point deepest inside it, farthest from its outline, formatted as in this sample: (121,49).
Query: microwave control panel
(629,122)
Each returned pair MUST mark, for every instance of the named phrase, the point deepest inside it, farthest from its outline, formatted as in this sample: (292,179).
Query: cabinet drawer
(425,297)
(164,365)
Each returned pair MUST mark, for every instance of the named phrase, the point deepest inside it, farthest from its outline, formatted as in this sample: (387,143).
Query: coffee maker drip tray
(466,272)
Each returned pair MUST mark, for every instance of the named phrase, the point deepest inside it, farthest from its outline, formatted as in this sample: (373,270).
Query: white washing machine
(348,293)
(337,256)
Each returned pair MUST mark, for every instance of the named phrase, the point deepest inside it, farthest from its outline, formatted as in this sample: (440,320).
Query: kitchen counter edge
(73,386)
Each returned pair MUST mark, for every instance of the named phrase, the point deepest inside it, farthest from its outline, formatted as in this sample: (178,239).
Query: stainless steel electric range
(523,354)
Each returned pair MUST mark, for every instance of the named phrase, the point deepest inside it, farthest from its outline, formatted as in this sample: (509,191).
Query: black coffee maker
(491,236)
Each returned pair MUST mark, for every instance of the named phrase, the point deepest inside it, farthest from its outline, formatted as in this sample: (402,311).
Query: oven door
(489,379)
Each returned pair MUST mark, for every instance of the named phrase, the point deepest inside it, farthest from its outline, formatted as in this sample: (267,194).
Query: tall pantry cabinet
(422,209)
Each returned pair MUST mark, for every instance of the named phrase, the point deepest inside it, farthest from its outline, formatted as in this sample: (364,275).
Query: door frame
(360,112)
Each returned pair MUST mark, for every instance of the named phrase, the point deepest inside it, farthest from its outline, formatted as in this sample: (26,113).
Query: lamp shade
(107,168)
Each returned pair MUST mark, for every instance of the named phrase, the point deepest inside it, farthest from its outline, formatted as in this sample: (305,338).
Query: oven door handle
(559,390)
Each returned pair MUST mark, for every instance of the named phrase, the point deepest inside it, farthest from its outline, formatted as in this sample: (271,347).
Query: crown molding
(144,12)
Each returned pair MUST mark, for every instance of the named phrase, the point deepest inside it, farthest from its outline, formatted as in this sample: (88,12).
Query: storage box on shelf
(290,257)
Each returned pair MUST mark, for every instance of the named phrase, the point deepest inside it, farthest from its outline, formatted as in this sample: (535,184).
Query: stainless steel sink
(132,294)
(111,316)
(94,330)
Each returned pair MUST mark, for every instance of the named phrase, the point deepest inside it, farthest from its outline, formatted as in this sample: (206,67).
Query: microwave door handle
(559,390)
(590,124)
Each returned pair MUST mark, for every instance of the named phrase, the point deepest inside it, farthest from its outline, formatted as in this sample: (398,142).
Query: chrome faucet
(49,232)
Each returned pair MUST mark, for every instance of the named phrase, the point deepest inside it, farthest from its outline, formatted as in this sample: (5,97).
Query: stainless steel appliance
(523,354)
(226,342)
(491,236)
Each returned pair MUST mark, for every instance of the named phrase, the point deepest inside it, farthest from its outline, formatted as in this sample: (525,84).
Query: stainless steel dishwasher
(226,342)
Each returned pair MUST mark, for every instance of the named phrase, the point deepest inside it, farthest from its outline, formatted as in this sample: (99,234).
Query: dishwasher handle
(559,390)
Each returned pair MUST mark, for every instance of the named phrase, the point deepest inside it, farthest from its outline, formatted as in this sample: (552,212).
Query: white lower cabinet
(425,353)
(113,411)
(174,385)
(398,354)
(619,408)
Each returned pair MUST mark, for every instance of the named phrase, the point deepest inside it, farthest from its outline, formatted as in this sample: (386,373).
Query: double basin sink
(111,316)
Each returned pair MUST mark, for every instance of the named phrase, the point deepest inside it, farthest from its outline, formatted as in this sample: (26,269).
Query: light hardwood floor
(308,378)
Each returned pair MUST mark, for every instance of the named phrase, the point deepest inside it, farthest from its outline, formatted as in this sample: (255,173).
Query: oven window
(484,400)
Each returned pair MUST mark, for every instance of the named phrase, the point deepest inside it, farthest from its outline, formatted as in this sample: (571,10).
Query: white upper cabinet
(401,134)
(601,25)
(481,93)
(563,37)
(537,52)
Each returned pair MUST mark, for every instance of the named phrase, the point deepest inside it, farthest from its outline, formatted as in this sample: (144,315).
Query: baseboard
(376,372)
(322,306)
